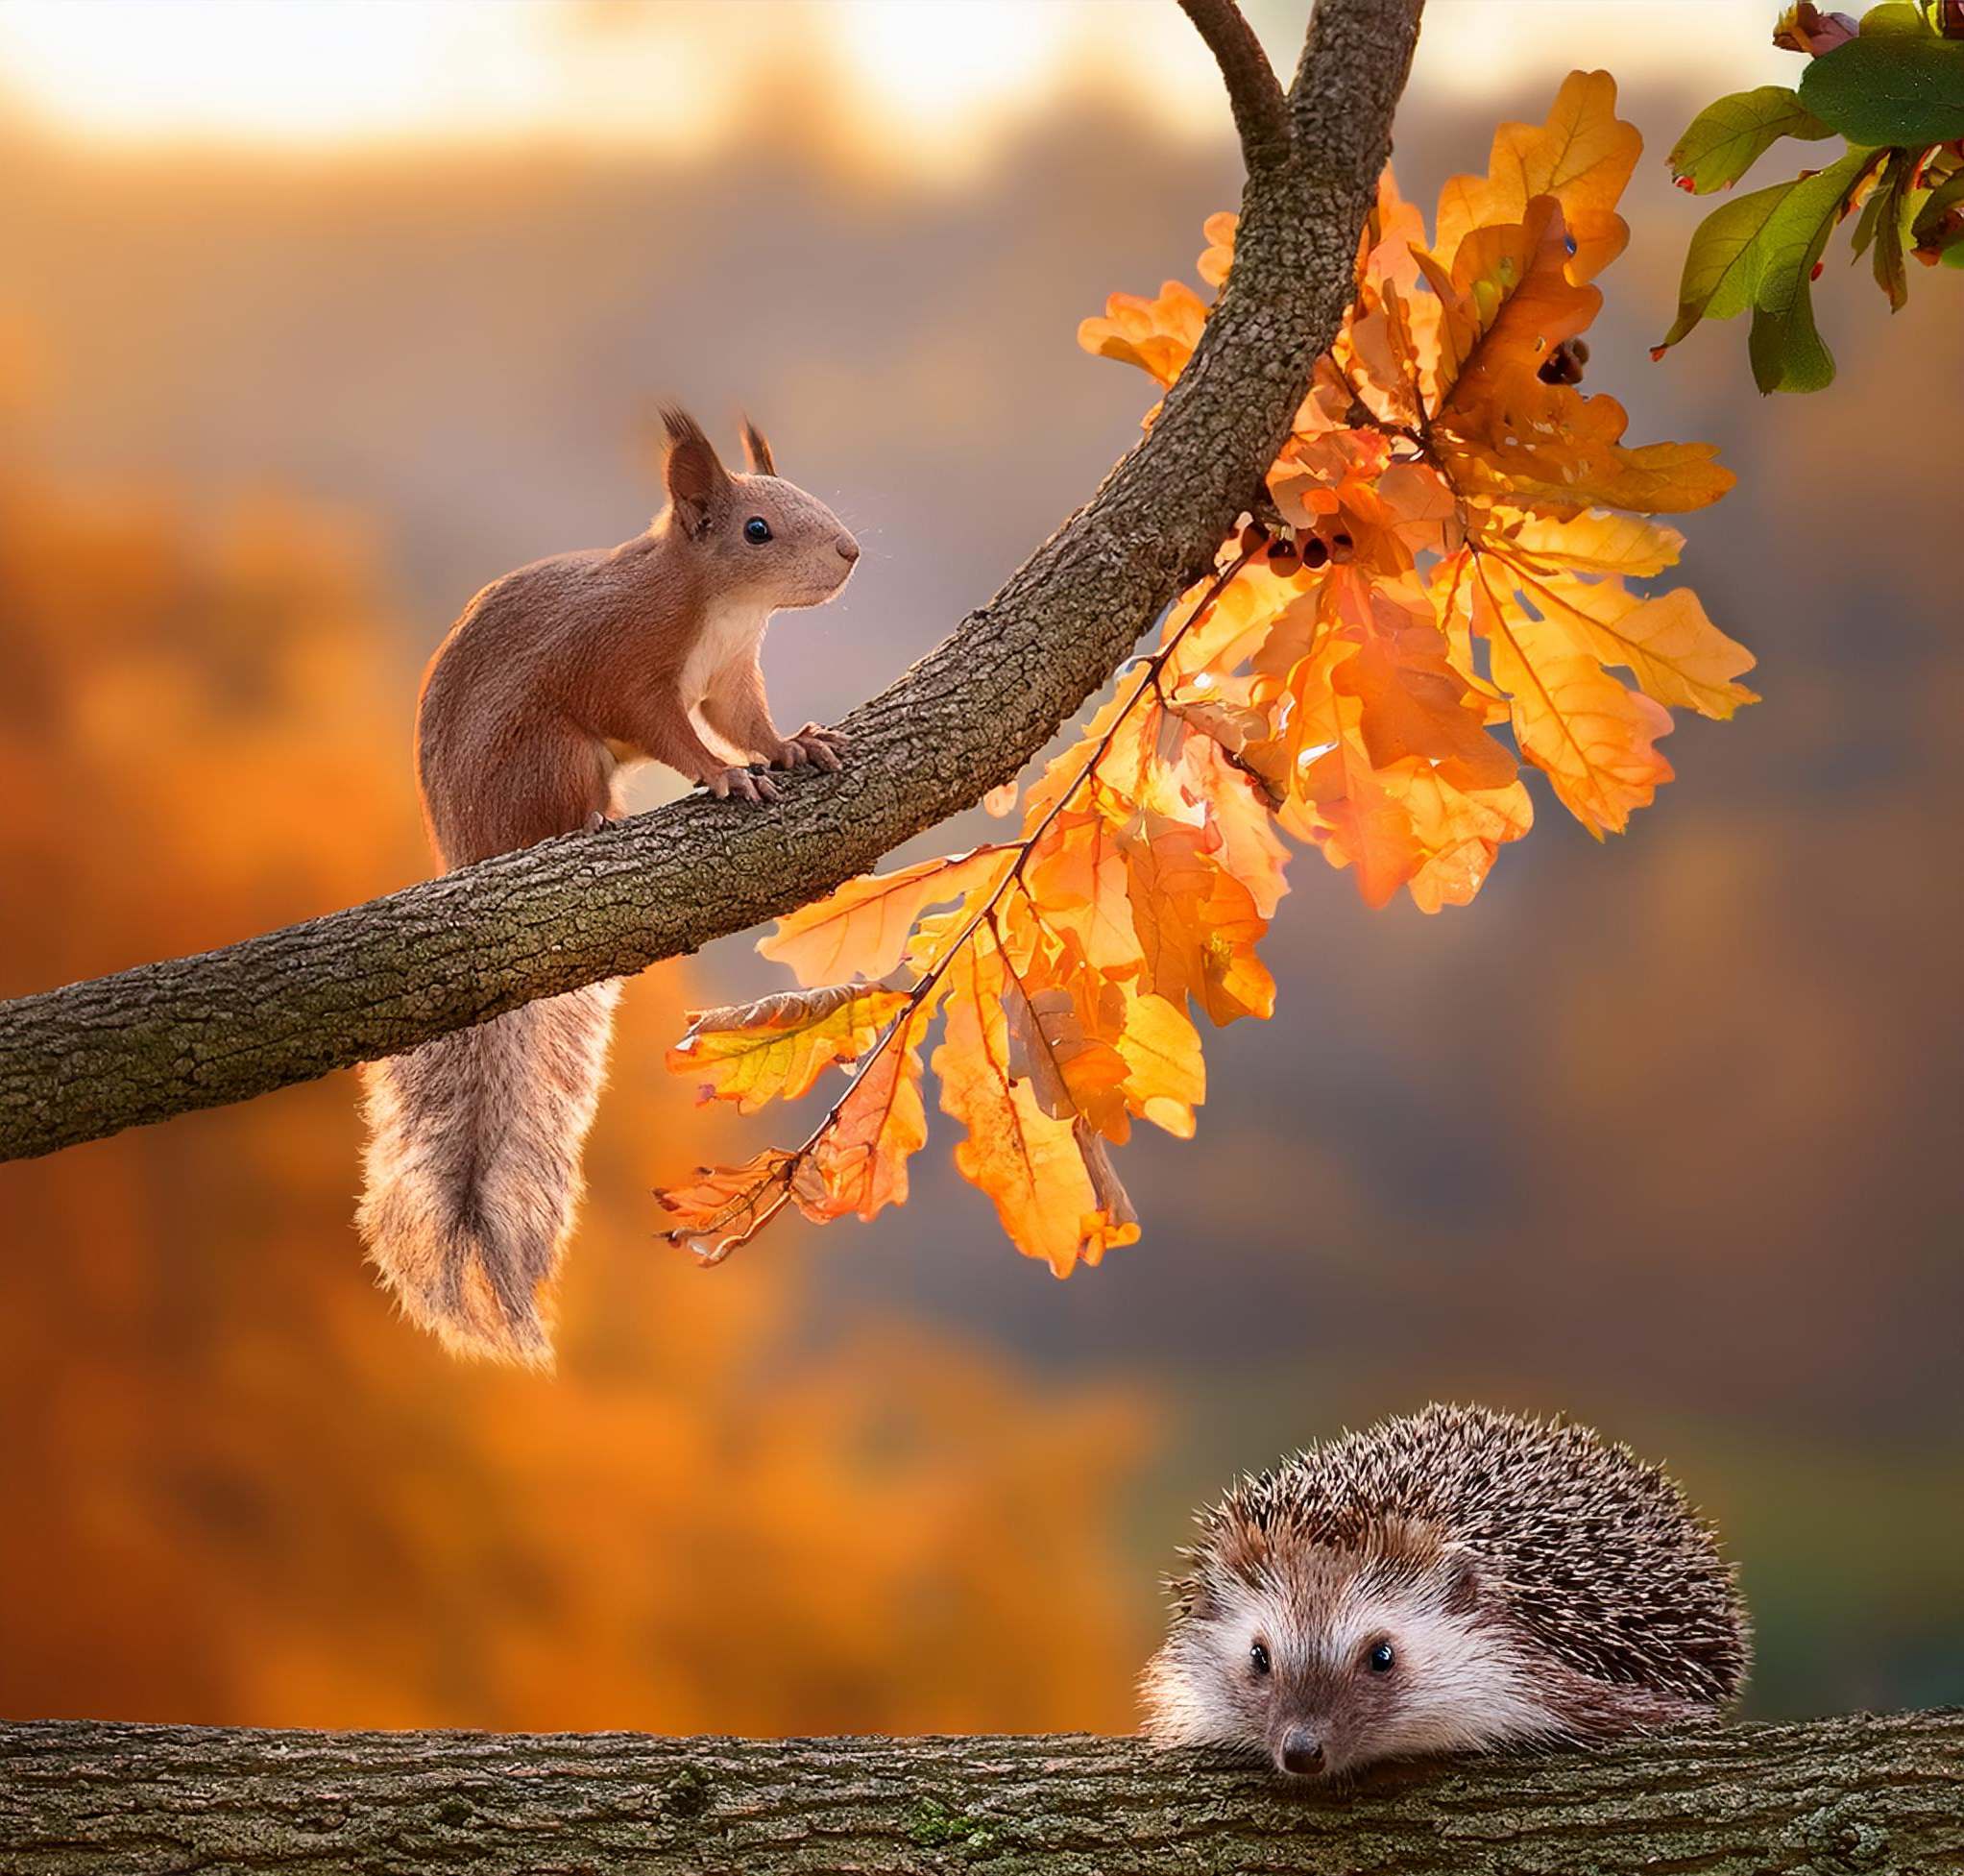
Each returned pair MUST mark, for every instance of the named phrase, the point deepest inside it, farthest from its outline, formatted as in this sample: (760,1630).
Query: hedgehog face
(1327,1660)
(1447,1582)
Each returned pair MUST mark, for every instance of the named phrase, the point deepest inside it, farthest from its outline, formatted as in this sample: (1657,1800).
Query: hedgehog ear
(1463,1585)
(757,450)
(698,481)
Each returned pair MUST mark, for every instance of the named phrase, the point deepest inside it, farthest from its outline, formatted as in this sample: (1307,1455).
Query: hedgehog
(1454,1581)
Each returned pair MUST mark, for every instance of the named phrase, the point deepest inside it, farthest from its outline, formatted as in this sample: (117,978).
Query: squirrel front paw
(741,783)
(813,744)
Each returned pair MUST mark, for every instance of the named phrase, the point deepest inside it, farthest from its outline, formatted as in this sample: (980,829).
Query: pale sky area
(950,74)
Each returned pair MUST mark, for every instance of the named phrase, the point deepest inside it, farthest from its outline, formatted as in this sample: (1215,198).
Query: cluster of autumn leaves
(1454,526)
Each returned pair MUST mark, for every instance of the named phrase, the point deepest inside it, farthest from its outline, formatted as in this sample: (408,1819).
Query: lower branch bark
(1858,1795)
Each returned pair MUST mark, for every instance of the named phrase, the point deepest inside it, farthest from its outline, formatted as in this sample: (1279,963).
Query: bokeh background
(313,319)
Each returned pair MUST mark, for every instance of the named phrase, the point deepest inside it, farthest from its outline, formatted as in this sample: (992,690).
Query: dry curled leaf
(776,1048)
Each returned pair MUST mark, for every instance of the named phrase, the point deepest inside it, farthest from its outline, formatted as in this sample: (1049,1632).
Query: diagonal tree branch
(115,1052)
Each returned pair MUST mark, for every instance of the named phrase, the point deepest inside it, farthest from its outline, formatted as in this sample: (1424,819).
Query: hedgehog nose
(848,549)
(1303,1752)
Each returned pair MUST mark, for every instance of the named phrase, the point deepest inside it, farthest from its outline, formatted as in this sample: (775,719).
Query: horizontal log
(1865,1795)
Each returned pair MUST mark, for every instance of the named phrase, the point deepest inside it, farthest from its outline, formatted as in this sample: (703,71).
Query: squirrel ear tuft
(757,450)
(697,480)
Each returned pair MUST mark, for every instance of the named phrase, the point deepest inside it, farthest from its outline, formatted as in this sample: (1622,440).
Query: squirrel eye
(1379,1660)
(757,531)
(1258,1658)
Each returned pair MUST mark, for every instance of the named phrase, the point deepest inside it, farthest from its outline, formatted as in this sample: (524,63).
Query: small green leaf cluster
(1893,91)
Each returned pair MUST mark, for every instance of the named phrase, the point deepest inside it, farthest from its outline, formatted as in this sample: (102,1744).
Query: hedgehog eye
(757,531)
(1258,1658)
(1380,1659)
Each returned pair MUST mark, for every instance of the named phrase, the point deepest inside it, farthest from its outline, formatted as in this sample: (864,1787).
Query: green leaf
(1722,264)
(1786,352)
(1727,137)
(1893,89)
(1894,18)
(1798,229)
(1894,202)
(1865,228)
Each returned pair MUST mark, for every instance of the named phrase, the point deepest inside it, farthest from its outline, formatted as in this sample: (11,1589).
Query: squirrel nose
(848,549)
(1302,1753)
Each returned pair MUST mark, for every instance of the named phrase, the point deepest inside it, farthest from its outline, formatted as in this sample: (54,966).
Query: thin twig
(1254,94)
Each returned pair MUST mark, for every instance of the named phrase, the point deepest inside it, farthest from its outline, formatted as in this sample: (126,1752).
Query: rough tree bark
(91,1058)
(1871,1795)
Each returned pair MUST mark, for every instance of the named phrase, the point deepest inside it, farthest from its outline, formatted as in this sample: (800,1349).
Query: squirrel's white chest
(731,631)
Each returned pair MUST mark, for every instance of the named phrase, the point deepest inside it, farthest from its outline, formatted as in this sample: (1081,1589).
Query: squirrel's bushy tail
(473,1169)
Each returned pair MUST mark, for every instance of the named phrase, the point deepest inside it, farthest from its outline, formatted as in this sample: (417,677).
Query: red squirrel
(553,678)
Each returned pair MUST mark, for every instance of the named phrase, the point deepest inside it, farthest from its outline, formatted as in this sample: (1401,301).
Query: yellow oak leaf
(1675,653)
(1551,449)
(1593,542)
(1592,735)
(863,929)
(1583,156)
(1167,1079)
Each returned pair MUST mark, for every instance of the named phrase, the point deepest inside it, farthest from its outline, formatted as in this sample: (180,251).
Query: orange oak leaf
(1157,336)
(1161,1076)
(1238,795)
(1071,1070)
(1050,1180)
(1077,878)
(1197,923)
(861,1160)
(1458,833)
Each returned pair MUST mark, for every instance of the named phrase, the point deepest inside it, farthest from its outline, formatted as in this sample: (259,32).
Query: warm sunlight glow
(946,74)
(924,63)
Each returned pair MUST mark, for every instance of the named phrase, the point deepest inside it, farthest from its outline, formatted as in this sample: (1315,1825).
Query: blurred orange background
(313,320)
